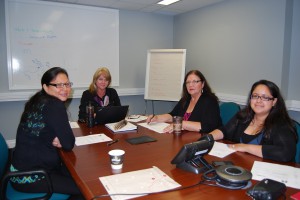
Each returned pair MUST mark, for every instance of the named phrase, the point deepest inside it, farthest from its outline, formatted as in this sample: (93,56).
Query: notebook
(128,127)
(110,114)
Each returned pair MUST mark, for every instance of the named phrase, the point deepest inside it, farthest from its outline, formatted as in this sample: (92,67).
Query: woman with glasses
(198,106)
(99,93)
(263,128)
(44,127)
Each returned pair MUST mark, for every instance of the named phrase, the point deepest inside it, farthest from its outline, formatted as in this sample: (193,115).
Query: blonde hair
(100,71)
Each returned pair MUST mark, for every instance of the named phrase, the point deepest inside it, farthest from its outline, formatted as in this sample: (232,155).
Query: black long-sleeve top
(34,149)
(279,146)
(206,111)
(88,97)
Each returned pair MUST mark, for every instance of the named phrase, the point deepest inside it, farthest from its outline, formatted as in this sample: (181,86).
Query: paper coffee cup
(116,158)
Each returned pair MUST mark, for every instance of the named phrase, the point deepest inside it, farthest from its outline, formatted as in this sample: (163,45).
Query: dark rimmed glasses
(263,98)
(61,85)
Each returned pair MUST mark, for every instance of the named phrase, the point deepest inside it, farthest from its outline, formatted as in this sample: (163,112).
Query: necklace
(254,128)
(256,125)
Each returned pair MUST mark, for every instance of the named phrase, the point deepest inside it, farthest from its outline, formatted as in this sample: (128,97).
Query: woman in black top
(44,127)
(264,127)
(99,94)
(198,106)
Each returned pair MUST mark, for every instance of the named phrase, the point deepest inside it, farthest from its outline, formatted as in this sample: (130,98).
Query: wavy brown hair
(206,89)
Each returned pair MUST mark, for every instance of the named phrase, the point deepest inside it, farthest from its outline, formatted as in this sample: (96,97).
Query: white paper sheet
(137,182)
(92,139)
(136,118)
(220,150)
(157,127)
(74,124)
(288,175)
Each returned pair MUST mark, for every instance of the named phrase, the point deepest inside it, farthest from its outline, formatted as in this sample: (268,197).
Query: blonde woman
(99,93)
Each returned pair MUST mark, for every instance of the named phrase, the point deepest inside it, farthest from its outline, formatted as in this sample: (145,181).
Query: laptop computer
(111,114)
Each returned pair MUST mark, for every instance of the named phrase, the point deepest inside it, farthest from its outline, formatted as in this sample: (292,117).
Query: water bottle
(90,115)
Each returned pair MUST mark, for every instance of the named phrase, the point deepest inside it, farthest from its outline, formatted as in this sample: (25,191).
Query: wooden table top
(89,162)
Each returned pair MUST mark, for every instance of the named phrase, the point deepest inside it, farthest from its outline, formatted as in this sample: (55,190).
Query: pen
(151,119)
(152,113)
(112,142)
(134,117)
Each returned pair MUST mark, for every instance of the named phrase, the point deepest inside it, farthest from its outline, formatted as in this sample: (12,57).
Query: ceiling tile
(146,5)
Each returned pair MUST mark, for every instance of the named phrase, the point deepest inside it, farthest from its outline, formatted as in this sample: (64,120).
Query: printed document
(137,182)
(288,175)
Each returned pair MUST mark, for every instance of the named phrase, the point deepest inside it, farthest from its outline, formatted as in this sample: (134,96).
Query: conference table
(87,163)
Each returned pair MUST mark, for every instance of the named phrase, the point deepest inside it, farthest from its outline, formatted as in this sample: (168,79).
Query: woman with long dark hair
(263,128)
(44,127)
(198,106)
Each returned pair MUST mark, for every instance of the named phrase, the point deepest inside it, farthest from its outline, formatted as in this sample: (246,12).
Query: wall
(138,33)
(294,81)
(233,42)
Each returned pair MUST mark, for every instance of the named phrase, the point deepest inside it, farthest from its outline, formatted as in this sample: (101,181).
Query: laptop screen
(111,114)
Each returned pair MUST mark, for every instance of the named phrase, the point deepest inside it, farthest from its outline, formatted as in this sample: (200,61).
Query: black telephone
(229,176)
(267,189)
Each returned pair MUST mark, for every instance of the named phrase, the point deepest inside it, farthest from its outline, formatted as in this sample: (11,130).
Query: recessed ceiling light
(167,2)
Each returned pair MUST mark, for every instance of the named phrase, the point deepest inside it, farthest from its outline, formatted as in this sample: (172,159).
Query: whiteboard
(165,74)
(41,35)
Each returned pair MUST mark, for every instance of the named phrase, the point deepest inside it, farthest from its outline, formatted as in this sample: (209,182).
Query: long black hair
(206,89)
(33,104)
(278,114)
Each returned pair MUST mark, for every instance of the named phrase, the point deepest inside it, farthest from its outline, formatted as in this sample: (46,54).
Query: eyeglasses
(192,82)
(102,79)
(61,85)
(263,98)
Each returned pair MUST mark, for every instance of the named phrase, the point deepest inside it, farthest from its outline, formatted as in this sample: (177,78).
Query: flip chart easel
(164,74)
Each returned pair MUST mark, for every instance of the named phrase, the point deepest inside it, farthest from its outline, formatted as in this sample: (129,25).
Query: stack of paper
(129,127)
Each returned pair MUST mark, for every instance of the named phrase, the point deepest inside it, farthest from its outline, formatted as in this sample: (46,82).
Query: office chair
(228,110)
(297,157)
(8,192)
